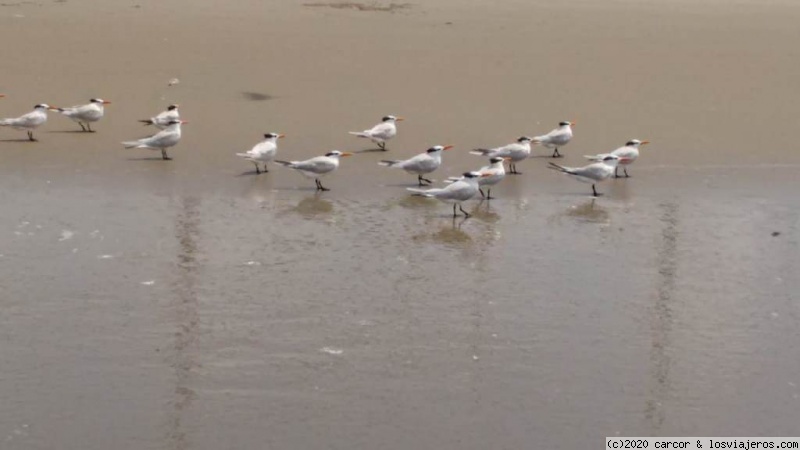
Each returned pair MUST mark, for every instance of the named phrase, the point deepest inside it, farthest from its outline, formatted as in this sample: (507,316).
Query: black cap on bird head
(564,123)
(172,107)
(388,118)
(524,139)
(495,159)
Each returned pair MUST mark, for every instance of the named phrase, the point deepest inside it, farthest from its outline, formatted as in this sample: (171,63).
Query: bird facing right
(264,151)
(381,132)
(84,115)
(422,164)
(593,173)
(556,138)
(318,166)
(514,152)
(627,154)
(164,139)
(29,121)
(162,119)
(457,192)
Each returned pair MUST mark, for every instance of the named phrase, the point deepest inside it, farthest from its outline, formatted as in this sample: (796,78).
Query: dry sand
(194,305)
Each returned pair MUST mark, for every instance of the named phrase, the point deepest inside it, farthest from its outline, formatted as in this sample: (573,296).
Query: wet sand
(194,305)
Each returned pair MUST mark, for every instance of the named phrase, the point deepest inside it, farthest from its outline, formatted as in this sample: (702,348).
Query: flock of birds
(459,189)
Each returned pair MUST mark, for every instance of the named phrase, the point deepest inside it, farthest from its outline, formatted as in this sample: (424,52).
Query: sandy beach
(192,304)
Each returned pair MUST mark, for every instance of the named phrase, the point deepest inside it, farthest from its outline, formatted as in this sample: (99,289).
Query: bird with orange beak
(317,167)
(627,154)
(381,132)
(84,115)
(422,164)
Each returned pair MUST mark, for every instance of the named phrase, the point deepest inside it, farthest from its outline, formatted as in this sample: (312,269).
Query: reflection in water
(418,202)
(452,234)
(313,206)
(589,212)
(662,317)
(184,307)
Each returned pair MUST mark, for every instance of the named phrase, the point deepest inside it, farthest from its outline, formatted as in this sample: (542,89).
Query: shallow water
(194,305)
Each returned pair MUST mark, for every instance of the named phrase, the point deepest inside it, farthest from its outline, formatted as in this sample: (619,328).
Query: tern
(381,132)
(164,139)
(514,152)
(30,121)
(84,115)
(317,167)
(558,137)
(490,175)
(421,164)
(593,173)
(627,155)
(163,118)
(457,192)
(264,151)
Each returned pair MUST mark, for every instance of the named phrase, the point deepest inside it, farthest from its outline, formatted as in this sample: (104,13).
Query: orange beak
(400,119)
(2,95)
(106,102)
(346,154)
(447,147)
(572,124)
(184,121)
(644,142)
(53,108)
(485,175)
(281,136)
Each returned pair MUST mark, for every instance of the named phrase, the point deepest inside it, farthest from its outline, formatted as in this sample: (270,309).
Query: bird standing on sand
(459,191)
(381,132)
(491,175)
(163,118)
(593,173)
(85,114)
(556,138)
(164,139)
(318,166)
(422,164)
(30,121)
(264,151)
(627,155)
(515,152)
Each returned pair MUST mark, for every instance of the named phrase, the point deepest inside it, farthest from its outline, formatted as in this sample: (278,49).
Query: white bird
(627,155)
(457,192)
(264,151)
(593,173)
(491,175)
(381,132)
(421,164)
(514,152)
(30,121)
(85,114)
(163,118)
(318,166)
(558,137)
(164,139)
